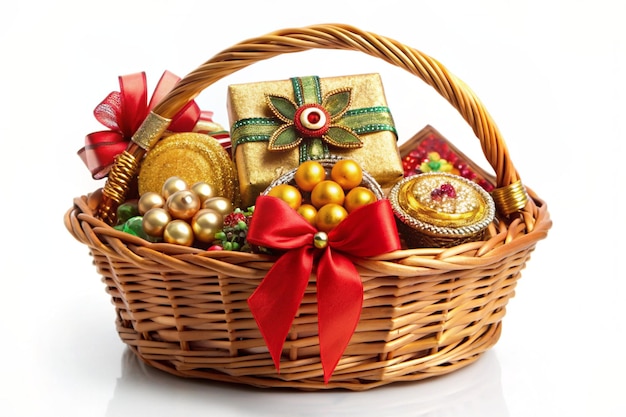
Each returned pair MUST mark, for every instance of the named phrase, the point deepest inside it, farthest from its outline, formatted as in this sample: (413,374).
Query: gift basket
(280,252)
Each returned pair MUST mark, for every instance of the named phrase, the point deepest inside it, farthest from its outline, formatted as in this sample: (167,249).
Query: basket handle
(510,195)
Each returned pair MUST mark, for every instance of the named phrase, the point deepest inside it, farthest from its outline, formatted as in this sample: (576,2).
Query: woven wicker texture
(426,311)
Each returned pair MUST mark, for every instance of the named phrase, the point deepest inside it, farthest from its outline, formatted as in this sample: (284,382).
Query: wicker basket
(426,312)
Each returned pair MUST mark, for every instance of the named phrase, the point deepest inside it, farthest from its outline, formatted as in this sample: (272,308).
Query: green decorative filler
(312,121)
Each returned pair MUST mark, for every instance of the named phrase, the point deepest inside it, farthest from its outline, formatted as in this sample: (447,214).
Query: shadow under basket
(426,311)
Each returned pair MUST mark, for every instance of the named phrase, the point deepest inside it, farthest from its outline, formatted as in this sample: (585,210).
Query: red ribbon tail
(275,302)
(339,288)
(339,303)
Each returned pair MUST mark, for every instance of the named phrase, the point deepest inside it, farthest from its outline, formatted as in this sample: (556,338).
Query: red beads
(432,145)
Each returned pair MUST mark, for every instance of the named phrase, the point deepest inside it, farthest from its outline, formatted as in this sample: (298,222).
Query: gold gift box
(257,166)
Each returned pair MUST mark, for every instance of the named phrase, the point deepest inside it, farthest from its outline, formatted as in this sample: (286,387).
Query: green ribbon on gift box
(312,121)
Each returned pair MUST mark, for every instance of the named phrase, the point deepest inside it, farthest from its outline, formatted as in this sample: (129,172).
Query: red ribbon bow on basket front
(124,111)
(276,300)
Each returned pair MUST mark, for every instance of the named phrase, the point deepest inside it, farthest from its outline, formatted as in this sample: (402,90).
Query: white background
(550,72)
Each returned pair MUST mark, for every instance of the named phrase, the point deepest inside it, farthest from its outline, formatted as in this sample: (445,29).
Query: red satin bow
(123,112)
(275,302)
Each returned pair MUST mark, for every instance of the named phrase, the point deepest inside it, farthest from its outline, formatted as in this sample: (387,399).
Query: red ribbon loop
(275,302)
(123,112)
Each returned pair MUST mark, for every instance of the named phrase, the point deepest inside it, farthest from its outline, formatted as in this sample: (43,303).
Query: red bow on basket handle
(123,112)
(275,302)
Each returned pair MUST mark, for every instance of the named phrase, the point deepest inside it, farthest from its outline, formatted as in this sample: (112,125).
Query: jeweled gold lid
(442,204)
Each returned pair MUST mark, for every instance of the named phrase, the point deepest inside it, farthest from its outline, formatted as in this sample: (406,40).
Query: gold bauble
(203,190)
(183,204)
(178,232)
(288,193)
(308,212)
(320,240)
(155,220)
(347,173)
(329,216)
(309,174)
(149,201)
(172,185)
(206,223)
(358,197)
(327,192)
(220,204)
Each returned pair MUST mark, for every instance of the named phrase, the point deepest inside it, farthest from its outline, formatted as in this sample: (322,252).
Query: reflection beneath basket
(474,390)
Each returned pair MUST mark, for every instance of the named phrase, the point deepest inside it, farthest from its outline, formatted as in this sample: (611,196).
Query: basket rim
(506,239)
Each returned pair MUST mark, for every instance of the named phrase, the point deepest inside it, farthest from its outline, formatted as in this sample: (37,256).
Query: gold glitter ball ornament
(192,157)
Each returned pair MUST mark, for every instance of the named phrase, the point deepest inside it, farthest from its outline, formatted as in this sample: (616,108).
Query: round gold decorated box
(437,209)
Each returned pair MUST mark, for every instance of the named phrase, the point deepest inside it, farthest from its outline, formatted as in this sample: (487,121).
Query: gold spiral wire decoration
(120,176)
(510,199)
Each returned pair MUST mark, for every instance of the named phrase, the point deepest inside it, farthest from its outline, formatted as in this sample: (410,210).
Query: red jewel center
(313,117)
(445,190)
(311,120)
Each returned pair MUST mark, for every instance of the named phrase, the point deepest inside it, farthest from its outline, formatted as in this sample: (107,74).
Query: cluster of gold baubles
(325,198)
(183,214)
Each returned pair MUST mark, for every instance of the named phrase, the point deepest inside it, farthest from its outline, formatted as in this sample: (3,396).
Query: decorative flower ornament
(312,120)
